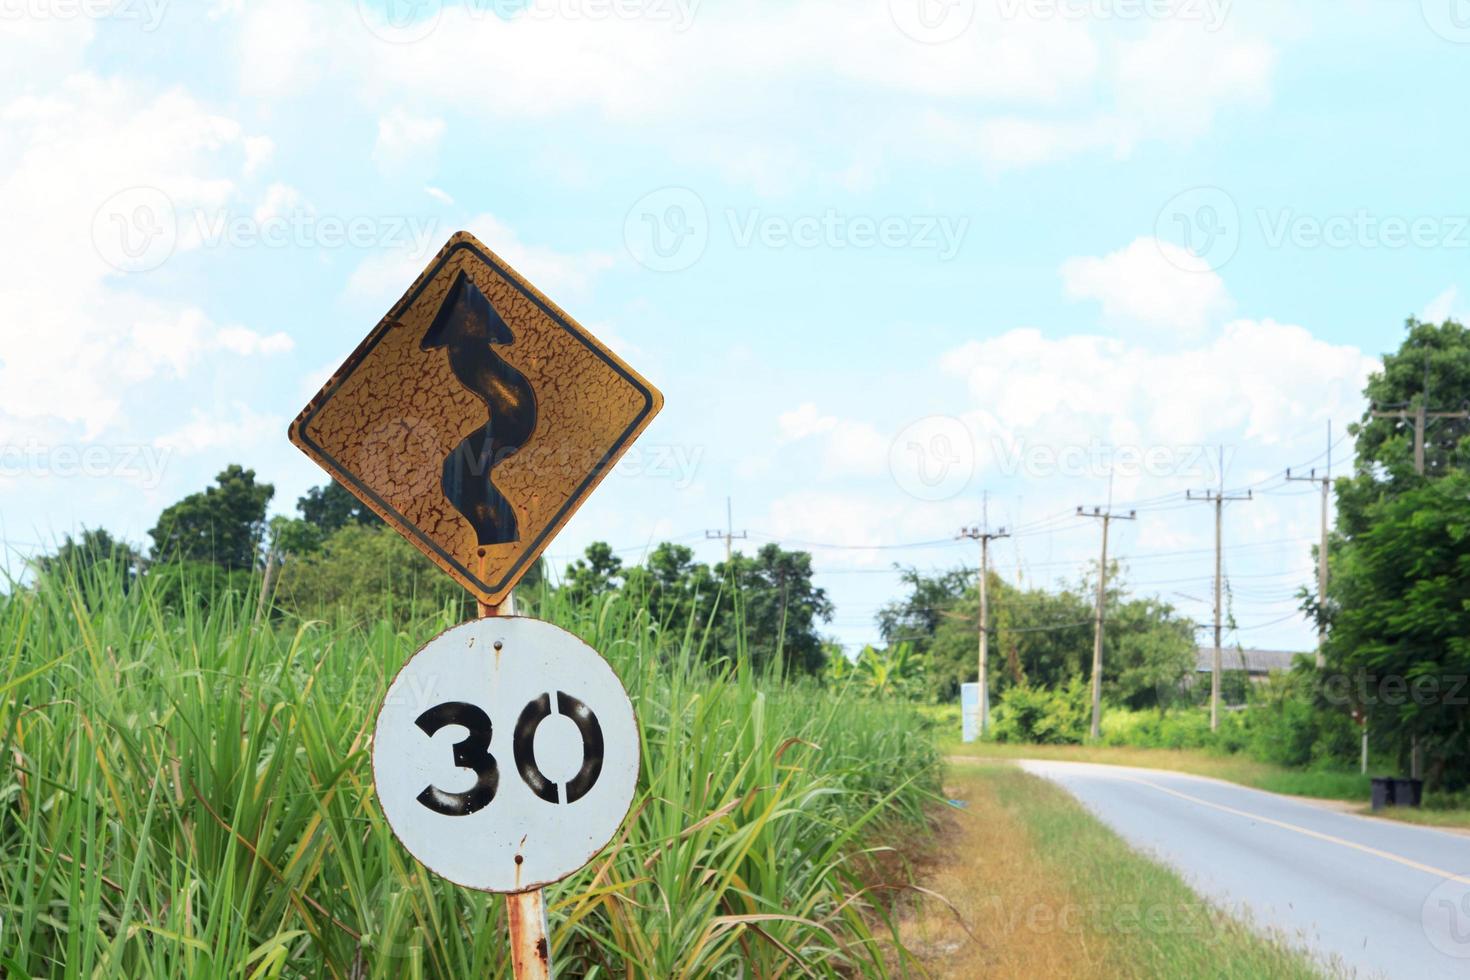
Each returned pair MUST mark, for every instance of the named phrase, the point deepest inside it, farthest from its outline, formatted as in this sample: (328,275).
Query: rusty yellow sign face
(476,418)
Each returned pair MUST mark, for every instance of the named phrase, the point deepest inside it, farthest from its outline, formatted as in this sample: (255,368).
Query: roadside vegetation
(1396,616)
(1324,785)
(185,791)
(1036,887)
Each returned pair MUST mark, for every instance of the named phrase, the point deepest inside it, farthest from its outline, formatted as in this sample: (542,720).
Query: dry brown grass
(993,881)
(1045,890)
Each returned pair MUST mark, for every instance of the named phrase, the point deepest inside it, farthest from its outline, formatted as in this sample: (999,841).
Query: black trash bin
(1408,792)
(1382,792)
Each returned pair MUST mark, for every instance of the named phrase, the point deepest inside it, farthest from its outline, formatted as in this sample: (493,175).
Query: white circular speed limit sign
(505,754)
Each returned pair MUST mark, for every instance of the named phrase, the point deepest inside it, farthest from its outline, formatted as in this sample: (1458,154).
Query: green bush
(1157,729)
(1046,716)
(1294,732)
(1282,725)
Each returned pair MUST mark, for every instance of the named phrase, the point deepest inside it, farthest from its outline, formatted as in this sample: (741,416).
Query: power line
(1219,498)
(832,546)
(729,533)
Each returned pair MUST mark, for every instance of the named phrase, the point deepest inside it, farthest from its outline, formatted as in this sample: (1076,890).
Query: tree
(1148,650)
(223,524)
(673,586)
(916,617)
(1431,367)
(331,507)
(1401,626)
(91,560)
(288,536)
(764,607)
(599,572)
(369,573)
(1039,637)
(778,607)
(1395,607)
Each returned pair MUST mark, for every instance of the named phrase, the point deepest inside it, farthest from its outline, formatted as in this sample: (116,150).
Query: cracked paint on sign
(389,418)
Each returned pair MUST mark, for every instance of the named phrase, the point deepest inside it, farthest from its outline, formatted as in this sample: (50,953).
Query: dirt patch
(997,916)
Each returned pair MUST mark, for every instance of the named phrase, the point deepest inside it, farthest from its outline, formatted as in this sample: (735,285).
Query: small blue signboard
(970,712)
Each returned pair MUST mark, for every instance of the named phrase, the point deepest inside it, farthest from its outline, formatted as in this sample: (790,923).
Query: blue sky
(884,257)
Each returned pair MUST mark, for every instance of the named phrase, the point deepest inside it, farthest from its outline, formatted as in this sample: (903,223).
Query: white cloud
(803,421)
(538,65)
(91,169)
(407,142)
(239,340)
(1150,283)
(1443,307)
(1011,91)
(439,194)
(1009,142)
(382,277)
(848,447)
(258,152)
(851,521)
(280,47)
(238,432)
(1174,80)
(280,201)
(41,50)
(1260,381)
(312,381)
(1168,85)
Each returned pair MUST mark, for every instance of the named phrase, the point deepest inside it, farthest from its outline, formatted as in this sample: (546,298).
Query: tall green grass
(185,793)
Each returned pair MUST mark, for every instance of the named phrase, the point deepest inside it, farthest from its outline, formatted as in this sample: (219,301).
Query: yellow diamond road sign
(476,418)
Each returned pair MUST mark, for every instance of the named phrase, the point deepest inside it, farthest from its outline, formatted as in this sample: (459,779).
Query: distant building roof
(1249,660)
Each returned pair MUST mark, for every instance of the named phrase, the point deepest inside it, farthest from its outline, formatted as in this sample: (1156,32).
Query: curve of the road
(1383,898)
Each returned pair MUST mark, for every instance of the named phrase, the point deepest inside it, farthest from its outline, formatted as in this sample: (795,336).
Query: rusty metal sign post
(475,419)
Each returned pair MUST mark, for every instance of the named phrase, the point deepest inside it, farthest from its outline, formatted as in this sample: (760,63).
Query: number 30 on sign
(506,754)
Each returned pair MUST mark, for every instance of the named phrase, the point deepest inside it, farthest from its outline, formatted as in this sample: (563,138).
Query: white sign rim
(508,770)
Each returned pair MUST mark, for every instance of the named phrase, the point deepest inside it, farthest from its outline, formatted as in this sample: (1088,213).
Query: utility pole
(1326,482)
(1107,517)
(1218,498)
(1420,414)
(728,534)
(984,536)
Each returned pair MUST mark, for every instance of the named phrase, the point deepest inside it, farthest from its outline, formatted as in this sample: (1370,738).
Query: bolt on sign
(476,418)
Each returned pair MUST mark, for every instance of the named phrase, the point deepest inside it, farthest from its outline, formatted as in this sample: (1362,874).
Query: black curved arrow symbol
(468,326)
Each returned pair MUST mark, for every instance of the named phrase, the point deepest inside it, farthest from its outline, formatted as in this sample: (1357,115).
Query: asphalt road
(1386,899)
